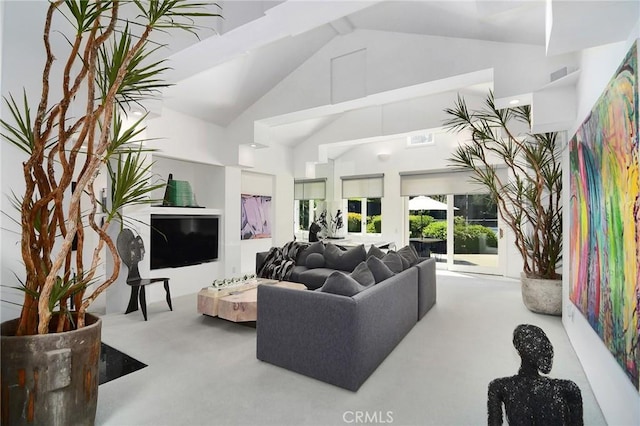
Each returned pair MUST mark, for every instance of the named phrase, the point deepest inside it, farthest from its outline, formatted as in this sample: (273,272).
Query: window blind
(364,186)
(256,183)
(442,182)
(309,189)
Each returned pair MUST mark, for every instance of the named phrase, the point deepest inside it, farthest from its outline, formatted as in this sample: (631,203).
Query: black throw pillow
(342,284)
(393,261)
(407,253)
(347,260)
(405,262)
(315,260)
(363,275)
(317,247)
(375,251)
(415,252)
(379,270)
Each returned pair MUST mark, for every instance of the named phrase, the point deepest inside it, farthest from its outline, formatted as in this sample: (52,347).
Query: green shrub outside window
(372,222)
(466,237)
(354,222)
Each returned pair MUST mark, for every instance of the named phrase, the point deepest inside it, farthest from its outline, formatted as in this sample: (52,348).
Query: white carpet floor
(203,371)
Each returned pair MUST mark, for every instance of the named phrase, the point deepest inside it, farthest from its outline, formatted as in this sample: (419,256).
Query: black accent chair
(131,250)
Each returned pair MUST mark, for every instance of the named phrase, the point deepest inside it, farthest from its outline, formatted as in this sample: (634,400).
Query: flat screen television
(182,240)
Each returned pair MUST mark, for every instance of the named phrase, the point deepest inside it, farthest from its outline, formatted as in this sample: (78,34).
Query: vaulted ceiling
(259,44)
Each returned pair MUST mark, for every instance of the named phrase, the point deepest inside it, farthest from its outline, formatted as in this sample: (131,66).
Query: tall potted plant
(529,201)
(50,353)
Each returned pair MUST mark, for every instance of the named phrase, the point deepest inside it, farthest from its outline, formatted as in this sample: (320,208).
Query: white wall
(618,399)
(277,161)
(180,136)
(18,71)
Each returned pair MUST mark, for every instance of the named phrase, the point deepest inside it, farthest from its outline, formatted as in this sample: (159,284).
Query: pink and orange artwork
(605,217)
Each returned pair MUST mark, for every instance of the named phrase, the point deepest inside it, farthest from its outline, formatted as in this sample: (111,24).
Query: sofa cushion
(341,283)
(415,253)
(314,278)
(295,273)
(407,252)
(393,261)
(363,275)
(317,247)
(405,262)
(344,260)
(375,251)
(378,269)
(315,260)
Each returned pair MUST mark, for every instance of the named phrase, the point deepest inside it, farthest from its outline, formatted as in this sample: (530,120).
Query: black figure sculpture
(528,397)
(314,228)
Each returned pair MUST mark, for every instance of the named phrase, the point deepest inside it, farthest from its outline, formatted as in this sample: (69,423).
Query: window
(308,194)
(305,213)
(364,200)
(364,215)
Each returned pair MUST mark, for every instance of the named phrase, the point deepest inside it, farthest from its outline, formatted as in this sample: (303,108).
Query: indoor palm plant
(75,131)
(529,199)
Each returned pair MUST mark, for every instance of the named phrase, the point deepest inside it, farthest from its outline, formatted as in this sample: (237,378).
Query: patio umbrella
(423,203)
(426,203)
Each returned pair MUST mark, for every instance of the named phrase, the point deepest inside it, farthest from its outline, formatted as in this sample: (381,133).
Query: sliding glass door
(459,230)
(475,233)
(454,220)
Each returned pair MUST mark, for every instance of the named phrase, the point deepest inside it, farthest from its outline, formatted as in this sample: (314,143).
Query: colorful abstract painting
(255,219)
(605,217)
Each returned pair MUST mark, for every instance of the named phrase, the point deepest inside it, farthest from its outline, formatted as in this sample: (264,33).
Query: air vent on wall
(422,139)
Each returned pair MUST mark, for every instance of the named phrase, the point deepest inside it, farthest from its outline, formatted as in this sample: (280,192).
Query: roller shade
(256,183)
(364,186)
(310,189)
(442,182)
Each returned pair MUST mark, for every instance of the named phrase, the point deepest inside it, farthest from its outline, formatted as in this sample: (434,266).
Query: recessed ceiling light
(514,101)
(253,145)
(137,113)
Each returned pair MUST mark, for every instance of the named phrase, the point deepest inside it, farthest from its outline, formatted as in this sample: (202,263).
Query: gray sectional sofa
(311,264)
(314,263)
(342,339)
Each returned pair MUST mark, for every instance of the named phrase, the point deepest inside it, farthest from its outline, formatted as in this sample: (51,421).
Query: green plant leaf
(20,134)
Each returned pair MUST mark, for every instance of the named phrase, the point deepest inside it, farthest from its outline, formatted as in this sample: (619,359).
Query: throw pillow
(317,247)
(379,270)
(415,252)
(315,260)
(408,254)
(393,261)
(375,251)
(363,275)
(347,260)
(342,284)
(405,262)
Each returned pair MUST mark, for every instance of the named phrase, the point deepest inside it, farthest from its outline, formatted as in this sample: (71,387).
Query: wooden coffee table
(237,304)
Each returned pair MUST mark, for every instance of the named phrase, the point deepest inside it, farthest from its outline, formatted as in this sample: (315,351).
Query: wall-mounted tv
(182,240)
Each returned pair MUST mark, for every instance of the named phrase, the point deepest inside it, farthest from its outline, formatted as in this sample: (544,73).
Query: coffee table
(237,304)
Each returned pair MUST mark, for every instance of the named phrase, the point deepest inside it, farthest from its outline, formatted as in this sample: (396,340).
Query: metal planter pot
(50,379)
(542,296)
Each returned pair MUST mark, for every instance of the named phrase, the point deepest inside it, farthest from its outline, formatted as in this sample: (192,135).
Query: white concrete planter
(542,296)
